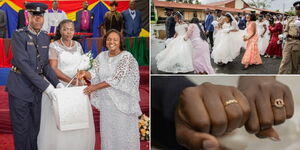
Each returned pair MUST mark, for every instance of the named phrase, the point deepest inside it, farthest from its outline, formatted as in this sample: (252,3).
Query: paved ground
(269,66)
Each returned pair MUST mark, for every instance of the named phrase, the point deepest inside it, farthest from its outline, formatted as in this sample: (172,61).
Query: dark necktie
(132,13)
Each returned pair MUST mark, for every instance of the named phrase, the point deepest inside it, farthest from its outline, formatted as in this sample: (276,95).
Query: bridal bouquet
(86,61)
(144,127)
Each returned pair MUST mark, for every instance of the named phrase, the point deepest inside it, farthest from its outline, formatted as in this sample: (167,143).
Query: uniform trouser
(25,117)
(286,59)
(295,61)
(287,56)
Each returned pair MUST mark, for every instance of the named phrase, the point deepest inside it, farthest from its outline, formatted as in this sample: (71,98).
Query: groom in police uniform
(291,51)
(27,78)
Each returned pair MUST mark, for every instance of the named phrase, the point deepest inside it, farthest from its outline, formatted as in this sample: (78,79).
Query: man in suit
(132,21)
(209,28)
(84,19)
(27,78)
(170,23)
(242,21)
(3,23)
(22,17)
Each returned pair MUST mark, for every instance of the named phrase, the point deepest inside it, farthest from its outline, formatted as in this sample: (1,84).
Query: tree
(260,3)
(291,13)
(191,1)
(197,2)
(185,1)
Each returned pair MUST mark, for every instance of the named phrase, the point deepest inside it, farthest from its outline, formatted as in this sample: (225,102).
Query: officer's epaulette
(20,30)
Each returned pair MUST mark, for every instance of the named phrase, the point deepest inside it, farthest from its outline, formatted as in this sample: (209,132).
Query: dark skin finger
(212,103)
(269,133)
(252,124)
(195,114)
(192,139)
(88,90)
(288,101)
(233,111)
(244,104)
(264,110)
(279,113)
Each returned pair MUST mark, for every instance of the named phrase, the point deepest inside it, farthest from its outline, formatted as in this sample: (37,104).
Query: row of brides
(189,50)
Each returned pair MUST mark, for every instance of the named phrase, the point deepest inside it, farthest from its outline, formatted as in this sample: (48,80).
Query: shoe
(245,67)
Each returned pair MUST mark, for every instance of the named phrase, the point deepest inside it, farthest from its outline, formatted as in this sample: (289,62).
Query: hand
(88,90)
(60,85)
(49,91)
(262,35)
(80,74)
(185,39)
(202,112)
(245,38)
(297,23)
(78,82)
(262,94)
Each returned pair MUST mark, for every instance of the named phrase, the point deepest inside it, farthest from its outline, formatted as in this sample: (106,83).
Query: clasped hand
(209,110)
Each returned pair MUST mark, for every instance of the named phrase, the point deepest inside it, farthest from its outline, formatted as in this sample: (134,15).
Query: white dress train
(227,44)
(177,57)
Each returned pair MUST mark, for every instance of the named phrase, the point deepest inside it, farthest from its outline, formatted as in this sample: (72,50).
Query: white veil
(234,21)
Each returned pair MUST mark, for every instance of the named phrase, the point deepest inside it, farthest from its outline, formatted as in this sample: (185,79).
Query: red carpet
(6,139)
(7,142)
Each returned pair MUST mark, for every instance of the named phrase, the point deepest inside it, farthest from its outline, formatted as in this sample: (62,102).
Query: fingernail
(276,139)
(207,144)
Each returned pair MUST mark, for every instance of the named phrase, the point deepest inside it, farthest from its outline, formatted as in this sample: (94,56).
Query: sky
(276,5)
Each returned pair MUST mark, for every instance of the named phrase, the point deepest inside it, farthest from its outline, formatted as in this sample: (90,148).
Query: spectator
(132,21)
(53,17)
(3,23)
(22,17)
(113,19)
(84,19)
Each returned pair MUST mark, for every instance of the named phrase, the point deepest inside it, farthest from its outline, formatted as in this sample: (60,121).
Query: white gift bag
(71,108)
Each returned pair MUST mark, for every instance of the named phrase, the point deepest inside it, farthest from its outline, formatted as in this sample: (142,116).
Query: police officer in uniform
(291,51)
(27,78)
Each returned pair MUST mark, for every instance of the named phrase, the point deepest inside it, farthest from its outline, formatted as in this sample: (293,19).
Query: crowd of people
(129,22)
(261,35)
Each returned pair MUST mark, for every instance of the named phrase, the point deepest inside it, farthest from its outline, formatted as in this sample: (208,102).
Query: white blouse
(121,72)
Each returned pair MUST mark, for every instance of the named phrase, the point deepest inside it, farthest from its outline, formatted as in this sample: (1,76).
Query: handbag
(71,108)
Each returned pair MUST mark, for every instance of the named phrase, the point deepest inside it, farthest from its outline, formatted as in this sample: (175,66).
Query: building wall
(239,4)
(160,12)
(188,14)
(256,11)
(230,5)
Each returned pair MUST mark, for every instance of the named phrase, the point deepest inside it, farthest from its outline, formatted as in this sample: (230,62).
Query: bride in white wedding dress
(64,56)
(228,41)
(177,57)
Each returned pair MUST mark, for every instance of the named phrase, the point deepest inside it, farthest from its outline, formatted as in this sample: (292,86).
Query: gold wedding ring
(232,101)
(278,103)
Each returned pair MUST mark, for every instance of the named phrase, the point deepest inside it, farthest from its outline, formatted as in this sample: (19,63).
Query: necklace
(68,47)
